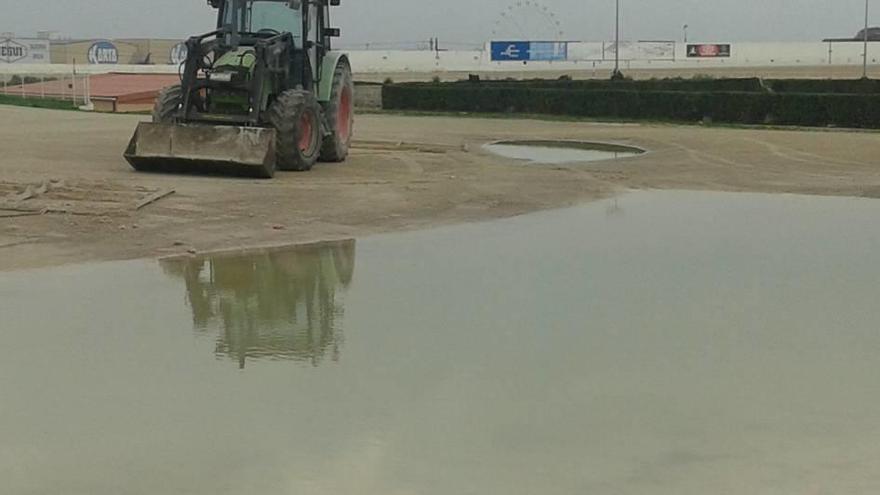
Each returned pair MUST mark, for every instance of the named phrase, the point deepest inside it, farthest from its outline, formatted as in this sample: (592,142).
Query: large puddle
(664,342)
(560,152)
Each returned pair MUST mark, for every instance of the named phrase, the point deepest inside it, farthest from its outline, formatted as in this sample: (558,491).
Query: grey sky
(464,20)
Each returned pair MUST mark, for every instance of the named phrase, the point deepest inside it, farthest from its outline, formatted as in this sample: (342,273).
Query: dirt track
(405,173)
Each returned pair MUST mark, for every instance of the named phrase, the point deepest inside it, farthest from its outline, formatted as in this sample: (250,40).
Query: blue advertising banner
(103,52)
(548,51)
(510,50)
(525,51)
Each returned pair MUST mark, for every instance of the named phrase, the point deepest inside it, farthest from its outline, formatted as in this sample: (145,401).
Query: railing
(72,87)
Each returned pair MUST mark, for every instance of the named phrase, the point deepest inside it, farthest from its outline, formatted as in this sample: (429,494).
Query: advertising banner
(708,51)
(628,50)
(103,52)
(586,51)
(548,51)
(510,50)
(24,51)
(529,51)
(656,50)
(178,54)
(597,51)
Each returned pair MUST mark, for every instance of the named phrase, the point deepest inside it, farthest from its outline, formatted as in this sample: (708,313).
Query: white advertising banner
(586,51)
(642,50)
(24,51)
(655,50)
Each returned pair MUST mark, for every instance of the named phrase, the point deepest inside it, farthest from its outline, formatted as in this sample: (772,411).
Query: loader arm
(270,75)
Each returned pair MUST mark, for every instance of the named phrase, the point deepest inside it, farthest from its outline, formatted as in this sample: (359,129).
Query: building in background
(873,34)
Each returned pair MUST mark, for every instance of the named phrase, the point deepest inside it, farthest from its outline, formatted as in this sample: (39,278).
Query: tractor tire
(340,115)
(167,103)
(296,117)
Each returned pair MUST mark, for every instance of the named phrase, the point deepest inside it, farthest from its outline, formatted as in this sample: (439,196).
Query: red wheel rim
(306,132)
(343,115)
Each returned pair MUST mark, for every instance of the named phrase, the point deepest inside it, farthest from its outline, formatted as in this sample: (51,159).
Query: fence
(75,88)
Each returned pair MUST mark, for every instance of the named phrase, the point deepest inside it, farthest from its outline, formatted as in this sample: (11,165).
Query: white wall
(415,61)
(600,55)
(632,57)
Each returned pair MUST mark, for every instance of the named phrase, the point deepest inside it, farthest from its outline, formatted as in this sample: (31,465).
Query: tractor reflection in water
(276,304)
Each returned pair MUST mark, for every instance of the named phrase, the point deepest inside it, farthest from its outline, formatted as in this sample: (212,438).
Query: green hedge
(36,102)
(842,86)
(674,84)
(756,85)
(843,110)
(18,80)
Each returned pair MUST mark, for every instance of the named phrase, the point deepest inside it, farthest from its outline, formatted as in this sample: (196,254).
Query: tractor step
(195,148)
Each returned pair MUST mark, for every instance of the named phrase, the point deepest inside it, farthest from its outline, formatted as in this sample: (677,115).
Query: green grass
(36,103)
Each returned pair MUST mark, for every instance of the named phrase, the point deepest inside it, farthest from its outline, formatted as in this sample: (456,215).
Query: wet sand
(405,173)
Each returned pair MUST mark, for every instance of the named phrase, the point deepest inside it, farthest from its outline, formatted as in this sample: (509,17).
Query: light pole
(865,56)
(617,73)
(685,29)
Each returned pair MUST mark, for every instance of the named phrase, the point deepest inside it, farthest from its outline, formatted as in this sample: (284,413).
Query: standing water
(664,342)
(559,152)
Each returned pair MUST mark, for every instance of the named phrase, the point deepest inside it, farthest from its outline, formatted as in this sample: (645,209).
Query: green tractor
(263,92)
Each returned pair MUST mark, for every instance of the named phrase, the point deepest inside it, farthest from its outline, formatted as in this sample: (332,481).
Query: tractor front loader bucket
(195,148)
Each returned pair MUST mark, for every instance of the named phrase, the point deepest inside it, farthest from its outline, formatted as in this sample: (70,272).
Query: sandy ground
(404,173)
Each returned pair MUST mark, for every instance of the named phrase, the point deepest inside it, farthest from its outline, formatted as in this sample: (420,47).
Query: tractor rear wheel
(167,103)
(340,115)
(296,117)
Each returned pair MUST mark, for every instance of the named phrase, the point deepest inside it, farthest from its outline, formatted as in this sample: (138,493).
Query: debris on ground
(90,198)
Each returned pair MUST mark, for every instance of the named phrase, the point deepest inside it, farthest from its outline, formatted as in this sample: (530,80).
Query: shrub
(18,80)
(700,83)
(36,102)
(628,101)
(841,86)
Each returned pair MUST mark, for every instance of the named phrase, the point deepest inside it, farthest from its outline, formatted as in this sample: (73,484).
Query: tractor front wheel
(340,115)
(167,103)
(296,117)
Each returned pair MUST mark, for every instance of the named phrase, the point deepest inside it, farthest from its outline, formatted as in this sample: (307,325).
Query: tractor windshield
(254,16)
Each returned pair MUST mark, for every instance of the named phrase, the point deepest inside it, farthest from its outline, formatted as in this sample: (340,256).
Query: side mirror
(294,4)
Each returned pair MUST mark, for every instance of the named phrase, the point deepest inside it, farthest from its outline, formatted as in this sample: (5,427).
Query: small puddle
(557,152)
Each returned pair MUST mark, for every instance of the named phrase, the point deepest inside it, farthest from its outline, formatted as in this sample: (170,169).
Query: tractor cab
(267,17)
(244,25)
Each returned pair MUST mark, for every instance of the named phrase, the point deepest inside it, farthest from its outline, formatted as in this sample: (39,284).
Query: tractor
(263,92)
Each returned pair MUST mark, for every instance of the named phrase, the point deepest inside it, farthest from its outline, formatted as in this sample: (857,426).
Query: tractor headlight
(222,76)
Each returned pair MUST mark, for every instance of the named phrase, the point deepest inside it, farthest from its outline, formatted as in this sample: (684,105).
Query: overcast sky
(465,20)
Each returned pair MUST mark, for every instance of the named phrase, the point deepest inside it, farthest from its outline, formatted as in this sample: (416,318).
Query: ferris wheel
(528,20)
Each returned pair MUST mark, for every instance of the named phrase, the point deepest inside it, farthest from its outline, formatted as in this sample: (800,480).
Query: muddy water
(560,152)
(671,343)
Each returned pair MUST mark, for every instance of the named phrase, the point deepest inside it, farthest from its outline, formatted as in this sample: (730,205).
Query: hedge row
(841,86)
(36,102)
(17,80)
(846,86)
(842,110)
(745,84)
